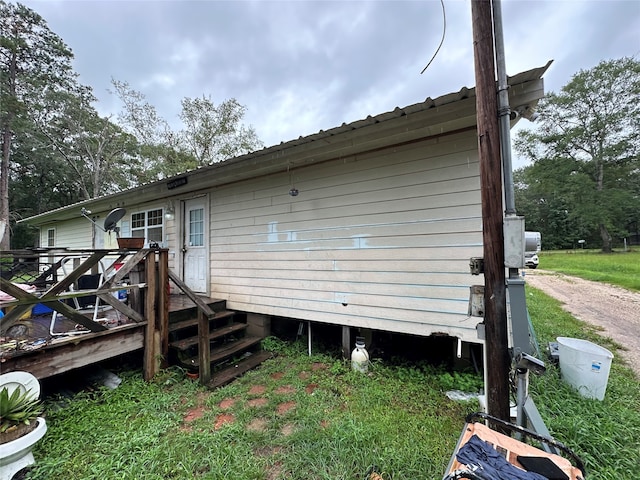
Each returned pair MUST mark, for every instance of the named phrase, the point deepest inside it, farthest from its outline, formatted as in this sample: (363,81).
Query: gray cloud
(304,66)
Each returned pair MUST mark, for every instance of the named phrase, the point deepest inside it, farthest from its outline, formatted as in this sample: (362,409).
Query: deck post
(346,342)
(152,337)
(163,305)
(204,350)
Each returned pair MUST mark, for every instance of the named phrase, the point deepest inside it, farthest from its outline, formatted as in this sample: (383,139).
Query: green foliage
(603,433)
(621,269)
(17,408)
(584,182)
(343,422)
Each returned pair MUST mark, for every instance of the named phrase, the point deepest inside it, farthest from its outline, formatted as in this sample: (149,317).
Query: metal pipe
(504,111)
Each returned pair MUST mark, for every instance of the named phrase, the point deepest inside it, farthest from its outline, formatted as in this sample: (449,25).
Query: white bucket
(585,366)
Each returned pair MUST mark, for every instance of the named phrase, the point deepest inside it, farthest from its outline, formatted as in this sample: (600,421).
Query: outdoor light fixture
(293,191)
(525,111)
(170,211)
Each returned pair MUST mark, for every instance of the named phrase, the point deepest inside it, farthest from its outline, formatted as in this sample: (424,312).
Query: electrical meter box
(514,242)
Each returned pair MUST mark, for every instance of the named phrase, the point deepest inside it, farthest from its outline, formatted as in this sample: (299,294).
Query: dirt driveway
(614,309)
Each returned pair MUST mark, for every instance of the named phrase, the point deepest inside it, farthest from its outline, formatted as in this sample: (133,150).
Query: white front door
(194,246)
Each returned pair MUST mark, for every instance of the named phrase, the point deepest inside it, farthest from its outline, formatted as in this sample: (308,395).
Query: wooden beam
(70,353)
(151,349)
(204,349)
(495,319)
(163,305)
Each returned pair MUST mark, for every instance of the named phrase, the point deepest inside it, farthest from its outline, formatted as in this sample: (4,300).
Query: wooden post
(163,305)
(151,347)
(495,319)
(204,350)
(346,342)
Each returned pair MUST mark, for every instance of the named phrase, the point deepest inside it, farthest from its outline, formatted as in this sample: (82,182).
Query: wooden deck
(30,346)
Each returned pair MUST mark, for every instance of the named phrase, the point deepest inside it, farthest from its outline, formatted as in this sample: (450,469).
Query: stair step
(192,322)
(227,375)
(225,351)
(186,343)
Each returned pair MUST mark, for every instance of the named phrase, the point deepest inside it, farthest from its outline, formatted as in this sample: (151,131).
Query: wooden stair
(233,351)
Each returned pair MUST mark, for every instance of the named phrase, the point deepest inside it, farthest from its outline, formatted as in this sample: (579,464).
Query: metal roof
(318,147)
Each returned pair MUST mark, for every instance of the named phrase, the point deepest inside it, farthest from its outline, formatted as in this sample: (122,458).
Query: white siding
(381,240)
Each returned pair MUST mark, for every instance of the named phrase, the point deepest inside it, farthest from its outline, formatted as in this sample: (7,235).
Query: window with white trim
(51,237)
(149,225)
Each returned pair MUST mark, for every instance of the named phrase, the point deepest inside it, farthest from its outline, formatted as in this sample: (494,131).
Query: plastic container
(585,366)
(40,309)
(360,357)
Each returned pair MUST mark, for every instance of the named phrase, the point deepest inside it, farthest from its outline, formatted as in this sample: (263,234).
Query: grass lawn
(296,417)
(620,268)
(301,417)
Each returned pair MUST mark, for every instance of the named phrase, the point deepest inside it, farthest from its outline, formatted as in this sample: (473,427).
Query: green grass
(395,417)
(622,269)
(604,434)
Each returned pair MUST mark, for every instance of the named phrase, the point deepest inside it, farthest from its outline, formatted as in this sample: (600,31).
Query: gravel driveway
(614,309)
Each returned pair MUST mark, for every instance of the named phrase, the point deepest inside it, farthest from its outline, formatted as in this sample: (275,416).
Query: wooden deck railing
(146,269)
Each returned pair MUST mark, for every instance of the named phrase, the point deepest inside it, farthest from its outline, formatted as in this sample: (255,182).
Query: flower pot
(16,454)
(130,242)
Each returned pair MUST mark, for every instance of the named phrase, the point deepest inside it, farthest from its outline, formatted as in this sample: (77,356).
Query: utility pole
(495,307)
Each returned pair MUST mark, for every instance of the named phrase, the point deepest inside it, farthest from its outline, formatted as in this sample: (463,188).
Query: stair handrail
(205,313)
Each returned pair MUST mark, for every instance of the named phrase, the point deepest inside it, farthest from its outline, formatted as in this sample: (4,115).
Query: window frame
(146,220)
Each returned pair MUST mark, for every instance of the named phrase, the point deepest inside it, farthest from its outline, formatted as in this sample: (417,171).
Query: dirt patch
(285,390)
(193,414)
(258,425)
(277,375)
(285,407)
(288,429)
(304,375)
(257,390)
(319,366)
(274,471)
(227,403)
(222,420)
(613,309)
(311,388)
(257,402)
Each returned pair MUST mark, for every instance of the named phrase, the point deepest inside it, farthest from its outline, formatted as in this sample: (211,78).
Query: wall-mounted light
(293,191)
(525,111)
(170,211)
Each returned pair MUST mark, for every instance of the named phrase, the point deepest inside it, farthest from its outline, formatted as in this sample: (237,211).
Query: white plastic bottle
(360,357)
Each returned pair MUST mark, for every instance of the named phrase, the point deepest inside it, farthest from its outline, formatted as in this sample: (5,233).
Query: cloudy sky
(302,66)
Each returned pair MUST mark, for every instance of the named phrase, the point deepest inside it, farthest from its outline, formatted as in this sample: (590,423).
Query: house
(370,224)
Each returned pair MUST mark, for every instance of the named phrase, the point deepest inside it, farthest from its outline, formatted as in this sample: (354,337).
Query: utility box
(514,242)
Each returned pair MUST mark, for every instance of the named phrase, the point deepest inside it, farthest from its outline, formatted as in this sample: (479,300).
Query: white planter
(16,454)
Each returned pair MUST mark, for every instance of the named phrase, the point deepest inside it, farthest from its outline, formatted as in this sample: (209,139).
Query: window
(148,225)
(196,227)
(51,237)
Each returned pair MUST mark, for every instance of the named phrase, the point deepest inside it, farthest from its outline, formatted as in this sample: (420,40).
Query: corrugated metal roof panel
(323,137)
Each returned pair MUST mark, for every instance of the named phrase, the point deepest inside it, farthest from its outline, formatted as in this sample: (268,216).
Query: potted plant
(20,428)
(19,411)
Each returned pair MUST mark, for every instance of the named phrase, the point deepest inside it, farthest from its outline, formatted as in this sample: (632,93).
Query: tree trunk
(604,233)
(5,237)
(606,239)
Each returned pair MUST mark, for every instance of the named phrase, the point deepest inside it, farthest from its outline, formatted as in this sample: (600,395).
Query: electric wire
(444,31)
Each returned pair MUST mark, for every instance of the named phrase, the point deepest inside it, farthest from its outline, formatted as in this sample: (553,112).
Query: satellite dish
(111,222)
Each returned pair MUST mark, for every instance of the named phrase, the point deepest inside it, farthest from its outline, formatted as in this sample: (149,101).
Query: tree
(214,133)
(33,59)
(101,157)
(593,125)
(211,133)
